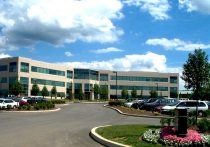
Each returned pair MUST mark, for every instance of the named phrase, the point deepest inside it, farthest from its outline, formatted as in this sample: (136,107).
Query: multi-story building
(74,80)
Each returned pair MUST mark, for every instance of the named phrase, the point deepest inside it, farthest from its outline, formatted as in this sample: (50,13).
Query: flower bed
(167,136)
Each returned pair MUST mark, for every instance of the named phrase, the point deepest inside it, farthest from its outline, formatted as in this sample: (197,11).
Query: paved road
(69,127)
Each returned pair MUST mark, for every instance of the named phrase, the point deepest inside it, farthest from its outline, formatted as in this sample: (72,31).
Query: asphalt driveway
(68,127)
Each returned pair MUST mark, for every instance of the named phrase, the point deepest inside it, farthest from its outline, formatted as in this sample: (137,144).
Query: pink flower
(167,134)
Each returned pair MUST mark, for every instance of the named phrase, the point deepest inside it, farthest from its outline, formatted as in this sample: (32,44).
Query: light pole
(116,81)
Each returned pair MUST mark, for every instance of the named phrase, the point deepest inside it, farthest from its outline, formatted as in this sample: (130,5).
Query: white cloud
(136,62)
(176,44)
(68,54)
(196,5)
(107,50)
(146,62)
(2,55)
(27,22)
(156,8)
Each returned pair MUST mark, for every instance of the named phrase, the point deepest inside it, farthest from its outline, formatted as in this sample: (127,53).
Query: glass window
(12,80)
(173,79)
(47,71)
(47,82)
(103,77)
(86,74)
(69,74)
(24,83)
(3,68)
(134,78)
(3,79)
(149,88)
(24,67)
(12,66)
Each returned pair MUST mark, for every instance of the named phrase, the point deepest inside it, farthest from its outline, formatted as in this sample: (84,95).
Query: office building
(72,80)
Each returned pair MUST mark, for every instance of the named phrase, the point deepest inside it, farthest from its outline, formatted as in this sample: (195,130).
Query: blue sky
(130,35)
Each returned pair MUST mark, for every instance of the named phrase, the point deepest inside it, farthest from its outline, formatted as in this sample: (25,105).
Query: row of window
(47,71)
(47,82)
(134,78)
(86,74)
(149,88)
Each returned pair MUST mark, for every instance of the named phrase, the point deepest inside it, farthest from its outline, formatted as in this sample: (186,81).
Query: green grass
(127,134)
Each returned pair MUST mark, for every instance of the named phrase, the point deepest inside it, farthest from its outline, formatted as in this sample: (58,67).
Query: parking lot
(68,127)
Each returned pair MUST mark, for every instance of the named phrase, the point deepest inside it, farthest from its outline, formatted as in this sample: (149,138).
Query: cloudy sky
(131,35)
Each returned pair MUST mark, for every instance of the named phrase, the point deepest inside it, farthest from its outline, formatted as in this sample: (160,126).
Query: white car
(24,98)
(190,105)
(129,104)
(4,103)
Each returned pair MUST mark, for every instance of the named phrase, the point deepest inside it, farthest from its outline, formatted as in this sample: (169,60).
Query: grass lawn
(127,134)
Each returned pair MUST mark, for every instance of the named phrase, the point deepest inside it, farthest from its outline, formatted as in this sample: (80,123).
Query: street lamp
(116,81)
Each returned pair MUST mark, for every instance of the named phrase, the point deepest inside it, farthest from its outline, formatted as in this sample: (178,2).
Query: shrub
(192,113)
(115,103)
(156,113)
(28,107)
(204,125)
(58,101)
(191,121)
(9,107)
(167,121)
(206,113)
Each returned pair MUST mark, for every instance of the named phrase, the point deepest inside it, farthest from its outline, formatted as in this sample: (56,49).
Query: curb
(103,140)
(91,102)
(57,109)
(135,115)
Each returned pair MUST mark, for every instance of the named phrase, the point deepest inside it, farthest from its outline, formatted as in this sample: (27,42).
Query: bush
(206,113)
(9,107)
(204,125)
(191,121)
(58,101)
(167,121)
(115,103)
(192,113)
(28,107)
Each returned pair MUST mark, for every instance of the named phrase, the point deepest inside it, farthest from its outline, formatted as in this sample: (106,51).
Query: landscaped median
(146,136)
(47,106)
(122,135)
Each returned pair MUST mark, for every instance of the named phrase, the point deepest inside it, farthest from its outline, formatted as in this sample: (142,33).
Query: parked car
(7,102)
(190,105)
(141,103)
(129,104)
(24,98)
(158,102)
(36,100)
(20,101)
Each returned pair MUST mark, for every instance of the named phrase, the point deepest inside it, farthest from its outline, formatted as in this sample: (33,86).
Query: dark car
(139,104)
(158,102)
(36,100)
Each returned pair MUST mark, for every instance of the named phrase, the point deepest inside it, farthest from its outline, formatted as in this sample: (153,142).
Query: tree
(54,92)
(196,73)
(153,94)
(104,92)
(81,94)
(96,90)
(44,91)
(134,93)
(35,90)
(16,88)
(124,93)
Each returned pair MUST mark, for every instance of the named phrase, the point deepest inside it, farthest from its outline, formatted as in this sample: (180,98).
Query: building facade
(69,80)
